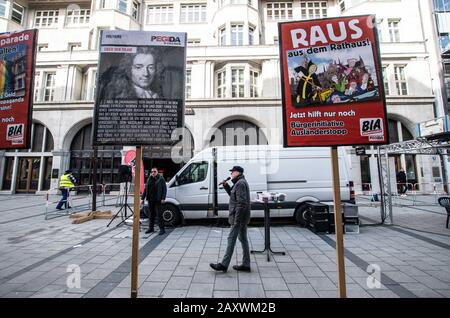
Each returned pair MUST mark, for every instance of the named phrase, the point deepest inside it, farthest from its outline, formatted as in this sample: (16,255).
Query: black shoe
(161,232)
(149,231)
(58,208)
(218,267)
(241,268)
(69,207)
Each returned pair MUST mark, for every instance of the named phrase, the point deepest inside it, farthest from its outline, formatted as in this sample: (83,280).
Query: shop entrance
(28,176)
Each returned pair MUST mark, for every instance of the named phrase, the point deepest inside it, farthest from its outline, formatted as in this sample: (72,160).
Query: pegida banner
(17,63)
(332,84)
(140,88)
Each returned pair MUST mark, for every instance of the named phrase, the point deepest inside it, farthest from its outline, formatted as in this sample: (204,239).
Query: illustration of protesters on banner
(308,84)
(321,79)
(138,76)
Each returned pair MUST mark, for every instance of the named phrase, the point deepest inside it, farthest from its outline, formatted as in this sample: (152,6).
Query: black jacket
(160,190)
(239,205)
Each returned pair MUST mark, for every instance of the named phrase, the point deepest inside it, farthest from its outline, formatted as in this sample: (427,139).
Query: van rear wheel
(300,216)
(171,215)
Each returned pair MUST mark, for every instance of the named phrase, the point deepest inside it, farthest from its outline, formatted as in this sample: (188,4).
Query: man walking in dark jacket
(155,193)
(239,218)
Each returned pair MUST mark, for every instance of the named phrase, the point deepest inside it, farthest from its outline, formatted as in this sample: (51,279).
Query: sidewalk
(36,255)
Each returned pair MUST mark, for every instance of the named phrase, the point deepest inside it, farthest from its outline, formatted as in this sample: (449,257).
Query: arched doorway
(237,132)
(398,133)
(81,154)
(33,166)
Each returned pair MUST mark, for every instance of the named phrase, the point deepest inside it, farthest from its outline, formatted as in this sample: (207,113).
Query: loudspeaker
(125,173)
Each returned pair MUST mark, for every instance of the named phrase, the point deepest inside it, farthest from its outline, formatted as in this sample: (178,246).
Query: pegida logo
(371,126)
(166,39)
(15,133)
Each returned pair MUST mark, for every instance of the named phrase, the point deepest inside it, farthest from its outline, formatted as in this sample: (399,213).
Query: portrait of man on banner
(143,74)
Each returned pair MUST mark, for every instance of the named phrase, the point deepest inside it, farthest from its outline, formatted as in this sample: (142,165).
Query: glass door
(28,176)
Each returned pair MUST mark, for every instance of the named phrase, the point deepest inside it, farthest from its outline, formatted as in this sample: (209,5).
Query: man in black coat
(155,193)
(239,218)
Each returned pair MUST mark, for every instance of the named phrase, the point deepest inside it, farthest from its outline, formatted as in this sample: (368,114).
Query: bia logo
(371,126)
(15,132)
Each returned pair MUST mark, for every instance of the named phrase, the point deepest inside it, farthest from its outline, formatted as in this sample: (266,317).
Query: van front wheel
(171,215)
(299,215)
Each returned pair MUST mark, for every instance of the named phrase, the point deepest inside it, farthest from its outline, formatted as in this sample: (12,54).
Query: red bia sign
(17,60)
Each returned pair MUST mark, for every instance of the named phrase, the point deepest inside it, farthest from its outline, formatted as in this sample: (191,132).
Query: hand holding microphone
(224,181)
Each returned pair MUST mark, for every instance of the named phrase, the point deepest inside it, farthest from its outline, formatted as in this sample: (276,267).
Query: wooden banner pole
(136,217)
(338,223)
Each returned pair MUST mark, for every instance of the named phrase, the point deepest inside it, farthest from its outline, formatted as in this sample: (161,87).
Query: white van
(303,174)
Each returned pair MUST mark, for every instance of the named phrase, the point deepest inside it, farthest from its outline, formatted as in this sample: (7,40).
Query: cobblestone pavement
(39,258)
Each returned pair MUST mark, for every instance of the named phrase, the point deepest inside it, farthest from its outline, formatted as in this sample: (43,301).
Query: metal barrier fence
(405,194)
(79,199)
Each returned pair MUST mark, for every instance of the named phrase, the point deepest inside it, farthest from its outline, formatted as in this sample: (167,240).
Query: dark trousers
(237,231)
(64,198)
(155,208)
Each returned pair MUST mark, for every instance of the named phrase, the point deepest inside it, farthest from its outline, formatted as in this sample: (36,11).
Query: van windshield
(195,172)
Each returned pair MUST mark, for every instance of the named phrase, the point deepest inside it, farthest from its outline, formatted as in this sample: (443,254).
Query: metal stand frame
(267,248)
(124,207)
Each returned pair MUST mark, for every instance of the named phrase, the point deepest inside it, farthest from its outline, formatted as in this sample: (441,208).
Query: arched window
(238,133)
(108,163)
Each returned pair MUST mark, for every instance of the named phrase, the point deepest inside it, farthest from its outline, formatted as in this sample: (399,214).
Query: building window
(223,36)
(188,83)
(74,46)
(237,34)
(227,2)
(400,80)
(49,89)
(380,29)
(122,5)
(193,41)
(251,35)
(46,19)
(279,11)
(385,81)
(313,9)
(135,12)
(342,5)
(394,31)
(42,47)
(76,17)
(37,85)
(193,13)
(254,83)
(17,13)
(237,82)
(159,14)
(221,84)
(2,8)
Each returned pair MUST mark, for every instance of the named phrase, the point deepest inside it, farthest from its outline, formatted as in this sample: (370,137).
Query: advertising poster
(130,160)
(140,87)
(17,61)
(332,83)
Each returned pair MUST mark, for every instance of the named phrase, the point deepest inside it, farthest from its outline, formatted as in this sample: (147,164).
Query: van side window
(196,172)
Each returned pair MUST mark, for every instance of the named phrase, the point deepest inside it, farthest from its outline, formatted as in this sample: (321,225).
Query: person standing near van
(401,181)
(155,193)
(66,182)
(239,218)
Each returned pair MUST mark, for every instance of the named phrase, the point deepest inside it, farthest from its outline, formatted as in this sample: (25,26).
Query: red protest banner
(332,83)
(17,61)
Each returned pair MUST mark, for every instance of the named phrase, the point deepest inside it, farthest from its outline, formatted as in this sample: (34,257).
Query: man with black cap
(239,218)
